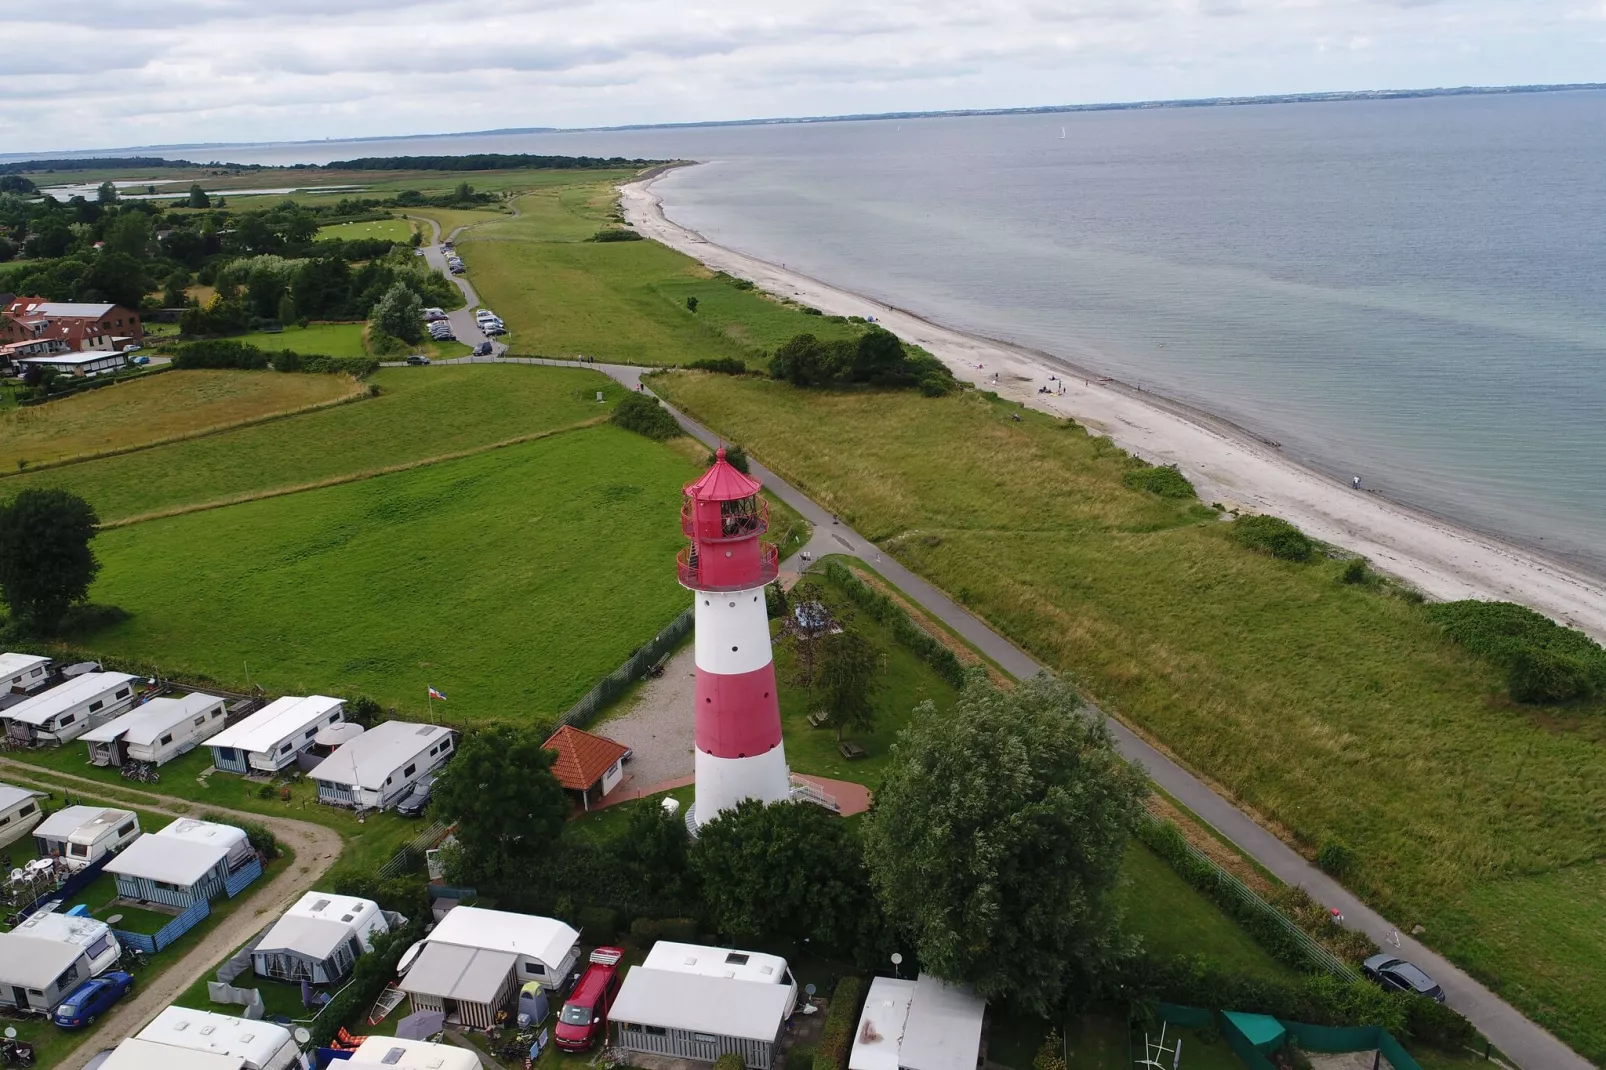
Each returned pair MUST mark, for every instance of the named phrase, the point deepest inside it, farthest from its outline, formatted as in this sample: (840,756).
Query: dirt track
(316,847)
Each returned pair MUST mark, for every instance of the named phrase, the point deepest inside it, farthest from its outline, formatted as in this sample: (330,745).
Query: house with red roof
(77,326)
(586,764)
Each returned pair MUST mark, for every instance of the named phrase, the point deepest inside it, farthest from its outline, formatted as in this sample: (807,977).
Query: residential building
(69,709)
(270,739)
(259,1045)
(924,1024)
(19,812)
(475,960)
(588,765)
(687,1001)
(318,939)
(158,731)
(78,325)
(83,834)
(374,770)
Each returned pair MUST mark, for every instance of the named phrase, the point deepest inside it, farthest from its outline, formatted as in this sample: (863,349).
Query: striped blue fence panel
(235,882)
(197,913)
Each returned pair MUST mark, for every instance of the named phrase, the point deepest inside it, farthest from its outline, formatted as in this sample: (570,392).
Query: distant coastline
(1038,109)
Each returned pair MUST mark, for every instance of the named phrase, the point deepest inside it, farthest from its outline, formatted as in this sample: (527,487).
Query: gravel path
(316,848)
(659,726)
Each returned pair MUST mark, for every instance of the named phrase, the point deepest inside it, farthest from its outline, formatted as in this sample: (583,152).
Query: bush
(1355,572)
(219,353)
(1435,1024)
(1543,662)
(642,414)
(735,456)
(723,365)
(368,978)
(691,304)
(841,1021)
(1275,536)
(887,612)
(1167,481)
(615,234)
(1335,858)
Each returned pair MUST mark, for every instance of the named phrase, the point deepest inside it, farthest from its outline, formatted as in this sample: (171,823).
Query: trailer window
(199,720)
(78,850)
(410,770)
(127,827)
(123,693)
(26,810)
(165,740)
(67,720)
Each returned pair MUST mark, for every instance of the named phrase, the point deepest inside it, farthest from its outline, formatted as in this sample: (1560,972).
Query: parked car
(484,315)
(416,800)
(1398,975)
(142,360)
(418,358)
(494,329)
(483,349)
(584,1018)
(92,999)
(134,347)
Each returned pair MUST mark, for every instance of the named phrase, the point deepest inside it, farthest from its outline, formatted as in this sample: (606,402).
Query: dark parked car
(414,802)
(92,999)
(483,349)
(417,359)
(1398,975)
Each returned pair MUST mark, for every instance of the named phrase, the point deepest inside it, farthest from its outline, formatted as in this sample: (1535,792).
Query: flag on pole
(436,694)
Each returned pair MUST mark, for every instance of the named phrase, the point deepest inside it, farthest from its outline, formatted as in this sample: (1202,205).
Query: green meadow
(398,230)
(330,339)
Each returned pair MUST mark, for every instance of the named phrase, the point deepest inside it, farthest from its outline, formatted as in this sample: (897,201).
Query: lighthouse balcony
(720,521)
(719,574)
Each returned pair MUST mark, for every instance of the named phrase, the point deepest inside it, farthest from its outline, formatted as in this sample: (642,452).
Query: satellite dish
(301,1035)
(11,1032)
(897,959)
(114,919)
(809,990)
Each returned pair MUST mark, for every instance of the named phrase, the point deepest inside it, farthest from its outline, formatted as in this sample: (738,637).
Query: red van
(584,1018)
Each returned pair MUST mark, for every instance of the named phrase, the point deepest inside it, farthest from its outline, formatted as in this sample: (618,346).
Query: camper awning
(466,974)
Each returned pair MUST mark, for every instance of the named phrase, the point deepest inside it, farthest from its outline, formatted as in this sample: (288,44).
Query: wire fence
(1270,927)
(610,687)
(410,855)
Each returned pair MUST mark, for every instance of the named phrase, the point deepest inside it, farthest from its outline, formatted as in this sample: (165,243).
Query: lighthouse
(739,752)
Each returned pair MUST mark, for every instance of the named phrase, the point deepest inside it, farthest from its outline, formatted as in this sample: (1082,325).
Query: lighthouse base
(723,783)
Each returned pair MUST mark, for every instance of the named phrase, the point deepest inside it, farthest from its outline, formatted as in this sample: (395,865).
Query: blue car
(92,999)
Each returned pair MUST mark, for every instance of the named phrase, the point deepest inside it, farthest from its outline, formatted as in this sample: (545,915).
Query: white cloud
(174,71)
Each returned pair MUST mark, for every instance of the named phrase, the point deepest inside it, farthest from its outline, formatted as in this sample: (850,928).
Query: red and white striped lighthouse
(739,752)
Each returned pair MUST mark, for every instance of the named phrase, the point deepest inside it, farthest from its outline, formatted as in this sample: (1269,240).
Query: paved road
(1528,1044)
(316,848)
(462,321)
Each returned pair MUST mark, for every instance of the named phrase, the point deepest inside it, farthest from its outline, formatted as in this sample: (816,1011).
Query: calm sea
(1409,291)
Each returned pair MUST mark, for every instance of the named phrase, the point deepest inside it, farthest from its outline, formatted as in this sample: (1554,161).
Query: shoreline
(1226,463)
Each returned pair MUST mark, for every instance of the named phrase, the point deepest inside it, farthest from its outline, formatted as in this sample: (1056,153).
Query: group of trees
(877,357)
(995,840)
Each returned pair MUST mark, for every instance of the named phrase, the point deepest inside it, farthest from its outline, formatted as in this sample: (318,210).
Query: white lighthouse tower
(739,752)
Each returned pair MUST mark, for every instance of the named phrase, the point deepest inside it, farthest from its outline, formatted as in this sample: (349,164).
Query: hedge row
(887,612)
(841,1022)
(225,353)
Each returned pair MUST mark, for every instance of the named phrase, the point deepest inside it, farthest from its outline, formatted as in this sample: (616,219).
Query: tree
(107,193)
(287,308)
(847,676)
(400,313)
(463,192)
(131,234)
(508,806)
(878,357)
(654,851)
(174,291)
(198,197)
(798,360)
(998,833)
(783,869)
(113,276)
(735,456)
(46,564)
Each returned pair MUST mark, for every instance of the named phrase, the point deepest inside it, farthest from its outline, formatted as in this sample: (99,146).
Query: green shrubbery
(723,365)
(1275,536)
(615,234)
(1543,662)
(735,456)
(1335,858)
(886,612)
(877,357)
(1167,481)
(841,1019)
(642,414)
(223,353)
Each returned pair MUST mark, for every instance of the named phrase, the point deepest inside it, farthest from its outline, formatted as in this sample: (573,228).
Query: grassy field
(1333,711)
(511,580)
(154,409)
(330,339)
(617,301)
(419,413)
(387,229)
(450,219)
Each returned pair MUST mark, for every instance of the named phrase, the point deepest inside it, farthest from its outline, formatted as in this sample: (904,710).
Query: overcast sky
(112,73)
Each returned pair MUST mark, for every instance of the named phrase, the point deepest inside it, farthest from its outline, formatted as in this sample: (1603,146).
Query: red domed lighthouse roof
(722,483)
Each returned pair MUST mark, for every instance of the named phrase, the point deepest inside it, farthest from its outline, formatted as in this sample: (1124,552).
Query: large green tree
(997,835)
(508,806)
(849,677)
(783,870)
(46,564)
(400,313)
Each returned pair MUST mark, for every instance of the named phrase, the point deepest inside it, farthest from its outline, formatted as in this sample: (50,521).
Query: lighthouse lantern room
(726,567)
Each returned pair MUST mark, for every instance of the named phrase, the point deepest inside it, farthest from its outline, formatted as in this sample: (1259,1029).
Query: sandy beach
(1225,463)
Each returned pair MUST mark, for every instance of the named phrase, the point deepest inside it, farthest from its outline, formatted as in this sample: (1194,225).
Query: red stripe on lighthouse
(738,716)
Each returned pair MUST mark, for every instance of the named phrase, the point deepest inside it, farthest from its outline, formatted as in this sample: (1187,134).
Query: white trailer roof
(396,1053)
(717,962)
(723,1006)
(545,939)
(255,1042)
(144,725)
(167,858)
(209,833)
(64,928)
(70,820)
(137,1054)
(316,938)
(886,1008)
(17,664)
(34,961)
(279,719)
(943,1031)
(63,697)
(365,762)
(11,795)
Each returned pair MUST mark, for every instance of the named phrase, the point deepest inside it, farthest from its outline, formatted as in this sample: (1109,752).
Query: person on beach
(1355,484)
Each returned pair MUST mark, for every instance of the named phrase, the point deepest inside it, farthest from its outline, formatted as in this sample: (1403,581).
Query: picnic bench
(851,750)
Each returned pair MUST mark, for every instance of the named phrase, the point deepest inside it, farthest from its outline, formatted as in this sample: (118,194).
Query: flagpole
(429,697)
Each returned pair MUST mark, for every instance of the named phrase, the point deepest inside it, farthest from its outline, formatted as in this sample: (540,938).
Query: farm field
(1334,711)
(330,339)
(510,580)
(616,301)
(387,229)
(419,413)
(152,409)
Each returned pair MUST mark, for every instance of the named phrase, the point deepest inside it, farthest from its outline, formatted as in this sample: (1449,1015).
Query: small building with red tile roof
(587,764)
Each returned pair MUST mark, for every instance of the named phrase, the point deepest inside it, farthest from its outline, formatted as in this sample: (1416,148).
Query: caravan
(82,834)
(68,710)
(157,732)
(19,812)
